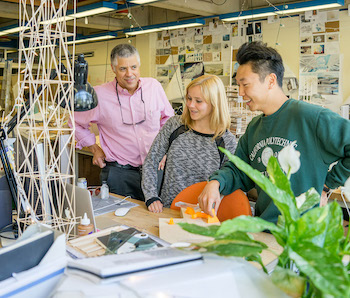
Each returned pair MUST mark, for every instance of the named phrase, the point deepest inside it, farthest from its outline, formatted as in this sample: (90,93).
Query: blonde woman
(190,142)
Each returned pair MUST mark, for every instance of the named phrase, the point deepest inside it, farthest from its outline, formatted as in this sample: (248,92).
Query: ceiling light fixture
(165,26)
(106,36)
(281,9)
(11,29)
(93,9)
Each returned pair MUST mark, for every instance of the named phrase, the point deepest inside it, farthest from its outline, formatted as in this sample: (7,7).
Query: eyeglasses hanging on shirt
(121,113)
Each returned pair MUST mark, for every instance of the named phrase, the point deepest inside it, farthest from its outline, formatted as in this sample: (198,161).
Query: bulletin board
(320,60)
(184,54)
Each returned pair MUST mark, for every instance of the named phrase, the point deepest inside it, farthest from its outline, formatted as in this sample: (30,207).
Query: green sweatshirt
(323,137)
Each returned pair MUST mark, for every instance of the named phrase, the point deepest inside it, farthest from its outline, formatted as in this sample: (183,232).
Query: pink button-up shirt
(126,144)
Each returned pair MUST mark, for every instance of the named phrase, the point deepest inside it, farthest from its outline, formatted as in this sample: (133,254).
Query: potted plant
(312,238)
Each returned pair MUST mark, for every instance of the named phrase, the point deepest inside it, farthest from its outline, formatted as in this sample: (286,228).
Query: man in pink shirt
(130,112)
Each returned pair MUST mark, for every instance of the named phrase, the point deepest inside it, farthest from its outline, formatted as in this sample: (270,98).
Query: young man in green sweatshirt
(322,136)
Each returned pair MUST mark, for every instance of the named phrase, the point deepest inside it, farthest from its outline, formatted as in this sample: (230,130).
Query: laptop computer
(83,203)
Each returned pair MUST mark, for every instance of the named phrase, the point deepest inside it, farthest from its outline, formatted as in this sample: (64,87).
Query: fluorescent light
(281,9)
(166,26)
(84,11)
(56,20)
(96,38)
(316,7)
(93,9)
(4,31)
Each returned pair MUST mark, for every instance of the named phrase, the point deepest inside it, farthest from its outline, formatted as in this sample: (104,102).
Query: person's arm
(86,138)
(210,198)
(150,167)
(333,134)
(225,181)
(99,156)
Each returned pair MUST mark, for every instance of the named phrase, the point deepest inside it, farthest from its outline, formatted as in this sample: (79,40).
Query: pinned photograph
(250,29)
(257,28)
(306,50)
(192,70)
(305,18)
(215,69)
(306,39)
(198,31)
(318,49)
(226,37)
(332,37)
(318,38)
(216,47)
(162,71)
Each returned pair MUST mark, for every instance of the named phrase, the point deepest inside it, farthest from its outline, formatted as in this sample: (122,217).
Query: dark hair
(264,60)
(123,50)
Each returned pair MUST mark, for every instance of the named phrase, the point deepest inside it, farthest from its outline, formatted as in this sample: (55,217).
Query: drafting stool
(232,205)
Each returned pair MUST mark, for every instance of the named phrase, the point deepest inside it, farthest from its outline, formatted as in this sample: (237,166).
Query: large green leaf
(195,229)
(288,281)
(324,270)
(282,200)
(321,226)
(312,198)
(278,177)
(247,224)
(237,248)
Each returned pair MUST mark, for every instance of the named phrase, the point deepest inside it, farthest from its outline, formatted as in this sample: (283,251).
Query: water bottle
(104,190)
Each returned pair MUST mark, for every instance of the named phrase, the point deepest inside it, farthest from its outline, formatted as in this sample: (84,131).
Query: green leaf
(257,258)
(283,258)
(320,226)
(237,235)
(288,281)
(282,199)
(235,248)
(246,224)
(195,229)
(277,176)
(312,198)
(324,270)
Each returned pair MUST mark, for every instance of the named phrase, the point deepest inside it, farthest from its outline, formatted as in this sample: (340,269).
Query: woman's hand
(156,207)
(162,163)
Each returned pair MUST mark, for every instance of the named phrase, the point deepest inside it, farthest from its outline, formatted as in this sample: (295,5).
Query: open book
(120,265)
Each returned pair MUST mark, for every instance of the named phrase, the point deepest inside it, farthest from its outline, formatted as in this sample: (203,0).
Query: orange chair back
(231,206)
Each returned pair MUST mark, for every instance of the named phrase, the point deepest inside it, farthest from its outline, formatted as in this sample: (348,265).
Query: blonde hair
(213,92)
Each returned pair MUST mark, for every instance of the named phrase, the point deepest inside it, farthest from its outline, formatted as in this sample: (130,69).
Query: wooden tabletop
(138,217)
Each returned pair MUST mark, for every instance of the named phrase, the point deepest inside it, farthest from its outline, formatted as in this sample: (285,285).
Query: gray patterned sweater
(191,158)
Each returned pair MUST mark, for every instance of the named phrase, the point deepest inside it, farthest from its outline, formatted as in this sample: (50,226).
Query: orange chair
(232,205)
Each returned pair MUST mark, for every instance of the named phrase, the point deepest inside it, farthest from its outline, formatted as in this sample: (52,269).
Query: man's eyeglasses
(144,108)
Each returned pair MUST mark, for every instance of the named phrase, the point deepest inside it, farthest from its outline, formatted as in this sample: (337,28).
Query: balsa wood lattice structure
(45,143)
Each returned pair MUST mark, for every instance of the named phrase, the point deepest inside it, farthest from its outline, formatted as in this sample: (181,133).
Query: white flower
(289,159)
(300,200)
(347,188)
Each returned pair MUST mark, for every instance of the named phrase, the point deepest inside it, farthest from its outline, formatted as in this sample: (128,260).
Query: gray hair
(123,50)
